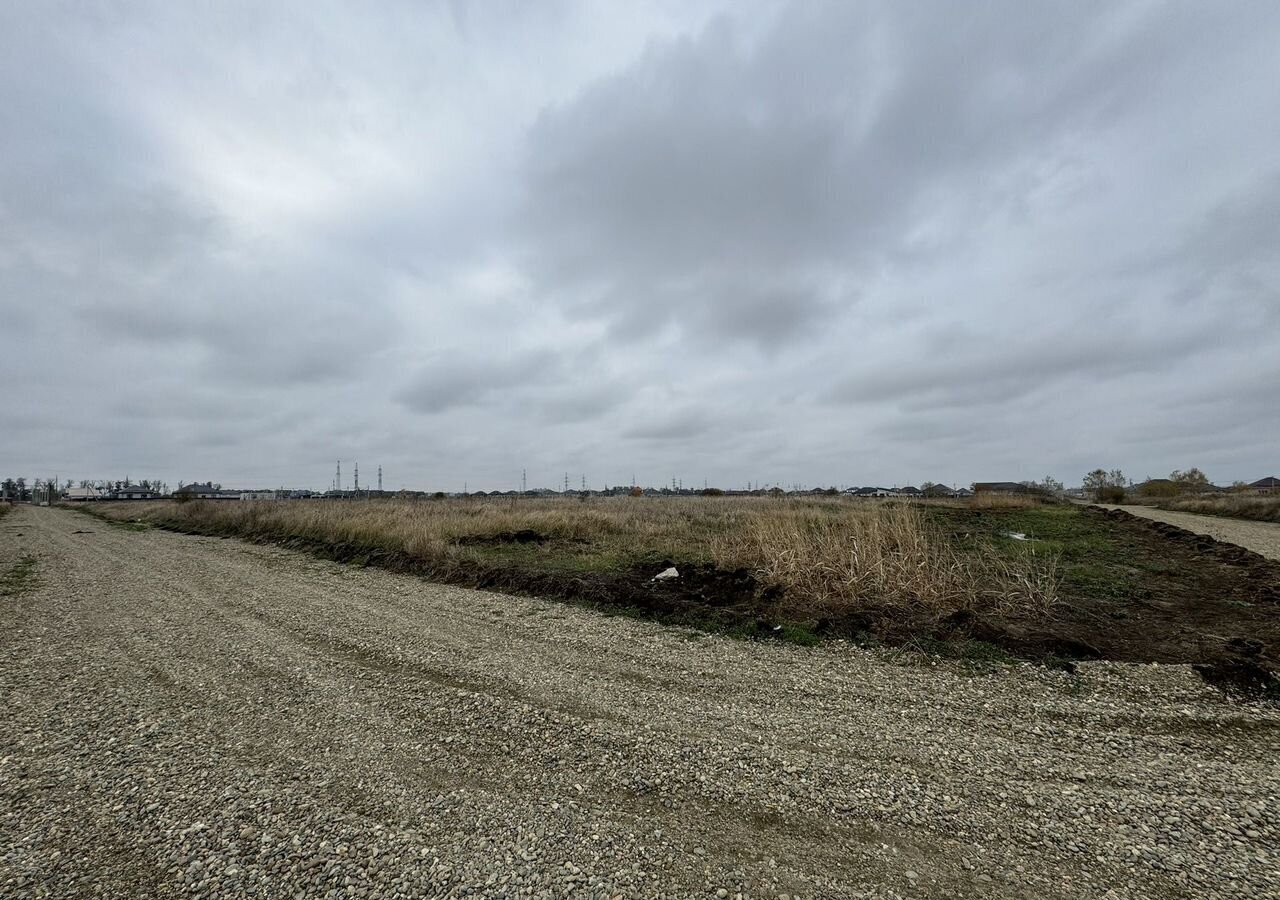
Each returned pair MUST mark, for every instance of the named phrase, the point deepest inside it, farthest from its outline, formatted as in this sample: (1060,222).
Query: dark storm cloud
(779,241)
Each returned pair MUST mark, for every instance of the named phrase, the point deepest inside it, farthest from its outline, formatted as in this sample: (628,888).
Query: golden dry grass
(831,556)
(886,555)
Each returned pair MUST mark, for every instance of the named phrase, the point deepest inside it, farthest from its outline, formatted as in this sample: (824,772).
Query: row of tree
(19,489)
(1112,486)
(109,486)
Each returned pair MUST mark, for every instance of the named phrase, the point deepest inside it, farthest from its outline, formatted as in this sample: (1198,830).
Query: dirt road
(1260,537)
(198,717)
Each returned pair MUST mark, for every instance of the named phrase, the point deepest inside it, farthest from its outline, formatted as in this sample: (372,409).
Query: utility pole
(357,484)
(566,482)
(584,483)
(379,478)
(337,478)
(524,481)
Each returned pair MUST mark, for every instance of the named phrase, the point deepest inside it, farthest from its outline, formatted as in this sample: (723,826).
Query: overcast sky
(856,243)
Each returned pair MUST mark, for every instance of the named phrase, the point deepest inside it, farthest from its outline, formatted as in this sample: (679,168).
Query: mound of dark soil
(1241,677)
(1232,554)
(523,536)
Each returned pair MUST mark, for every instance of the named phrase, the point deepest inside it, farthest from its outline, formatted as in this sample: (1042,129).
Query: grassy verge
(791,569)
(1090,562)
(20,578)
(1257,507)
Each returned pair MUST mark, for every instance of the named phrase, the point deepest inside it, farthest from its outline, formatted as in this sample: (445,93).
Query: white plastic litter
(667,573)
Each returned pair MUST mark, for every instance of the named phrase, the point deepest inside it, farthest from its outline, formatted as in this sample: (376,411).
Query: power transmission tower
(584,483)
(566,482)
(524,481)
(379,478)
(357,476)
(337,478)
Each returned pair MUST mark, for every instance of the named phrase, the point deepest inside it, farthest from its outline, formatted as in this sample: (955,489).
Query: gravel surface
(1260,537)
(207,718)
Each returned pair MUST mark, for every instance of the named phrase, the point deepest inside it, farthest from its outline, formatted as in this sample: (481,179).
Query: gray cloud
(460,379)
(681,425)
(784,241)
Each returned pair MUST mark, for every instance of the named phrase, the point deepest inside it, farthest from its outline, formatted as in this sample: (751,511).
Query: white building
(259,495)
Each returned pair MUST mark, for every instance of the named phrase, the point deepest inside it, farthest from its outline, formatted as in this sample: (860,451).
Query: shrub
(1111,494)
(1163,488)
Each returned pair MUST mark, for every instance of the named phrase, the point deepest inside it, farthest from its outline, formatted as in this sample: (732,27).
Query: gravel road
(208,718)
(1260,537)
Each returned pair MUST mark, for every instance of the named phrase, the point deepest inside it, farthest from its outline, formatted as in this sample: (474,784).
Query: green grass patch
(787,632)
(130,526)
(95,513)
(20,578)
(1093,560)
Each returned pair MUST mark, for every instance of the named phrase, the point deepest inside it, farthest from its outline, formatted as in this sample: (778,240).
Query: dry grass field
(188,716)
(825,557)
(982,579)
(1259,507)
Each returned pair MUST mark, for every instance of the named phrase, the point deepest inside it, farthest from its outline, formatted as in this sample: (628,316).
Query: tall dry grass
(1259,507)
(884,556)
(832,556)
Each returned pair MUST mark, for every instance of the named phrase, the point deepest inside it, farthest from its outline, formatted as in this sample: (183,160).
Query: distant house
(911,491)
(962,492)
(260,495)
(83,494)
(133,492)
(1000,487)
(204,491)
(1267,485)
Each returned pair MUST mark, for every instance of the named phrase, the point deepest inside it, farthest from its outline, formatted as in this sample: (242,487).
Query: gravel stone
(196,717)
